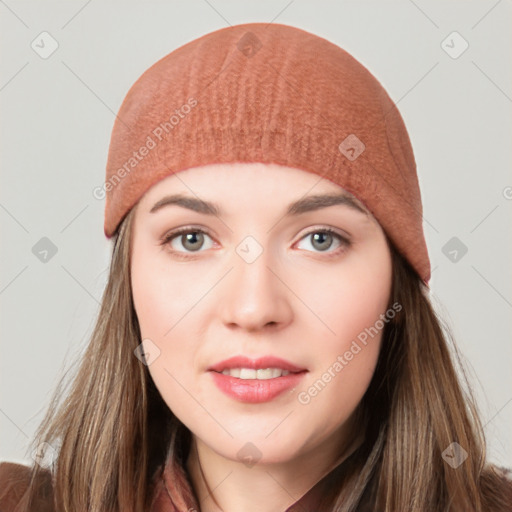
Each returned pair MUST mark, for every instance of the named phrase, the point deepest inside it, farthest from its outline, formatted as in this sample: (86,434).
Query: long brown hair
(113,430)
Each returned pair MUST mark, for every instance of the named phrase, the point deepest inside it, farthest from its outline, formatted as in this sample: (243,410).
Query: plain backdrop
(57,114)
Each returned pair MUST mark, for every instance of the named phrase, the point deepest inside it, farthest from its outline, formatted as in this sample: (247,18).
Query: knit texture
(268,93)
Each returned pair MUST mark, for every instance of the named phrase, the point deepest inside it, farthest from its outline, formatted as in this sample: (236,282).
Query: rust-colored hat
(268,93)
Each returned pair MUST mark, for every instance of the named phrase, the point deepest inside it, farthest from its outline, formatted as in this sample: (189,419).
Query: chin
(252,447)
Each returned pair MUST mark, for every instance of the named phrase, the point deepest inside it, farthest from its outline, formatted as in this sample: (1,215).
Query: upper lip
(256,364)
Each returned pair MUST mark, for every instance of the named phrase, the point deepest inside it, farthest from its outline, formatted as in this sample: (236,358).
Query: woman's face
(252,279)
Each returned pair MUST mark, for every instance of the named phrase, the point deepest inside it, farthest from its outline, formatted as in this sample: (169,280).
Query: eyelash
(168,237)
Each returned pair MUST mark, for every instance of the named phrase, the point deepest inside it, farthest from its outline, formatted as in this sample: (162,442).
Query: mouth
(263,368)
(256,380)
(257,374)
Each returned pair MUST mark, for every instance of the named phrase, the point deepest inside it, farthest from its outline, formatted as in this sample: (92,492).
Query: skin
(302,300)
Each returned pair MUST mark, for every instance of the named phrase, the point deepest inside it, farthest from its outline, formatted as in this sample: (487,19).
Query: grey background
(57,115)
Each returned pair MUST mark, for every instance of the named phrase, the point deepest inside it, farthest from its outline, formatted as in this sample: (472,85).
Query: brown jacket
(173,491)
(14,480)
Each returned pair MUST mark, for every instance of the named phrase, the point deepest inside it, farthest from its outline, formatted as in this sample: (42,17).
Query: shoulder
(14,480)
(505,474)
(14,484)
(499,490)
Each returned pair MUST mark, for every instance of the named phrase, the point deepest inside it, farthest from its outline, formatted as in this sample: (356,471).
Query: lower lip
(255,391)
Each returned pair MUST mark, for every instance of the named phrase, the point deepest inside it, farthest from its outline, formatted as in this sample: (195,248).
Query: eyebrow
(306,204)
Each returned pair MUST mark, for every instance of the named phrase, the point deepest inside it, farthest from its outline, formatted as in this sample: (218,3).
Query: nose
(254,296)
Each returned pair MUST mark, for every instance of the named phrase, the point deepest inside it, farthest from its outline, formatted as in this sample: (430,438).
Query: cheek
(354,315)
(334,393)
(164,303)
(344,369)
(162,293)
(352,302)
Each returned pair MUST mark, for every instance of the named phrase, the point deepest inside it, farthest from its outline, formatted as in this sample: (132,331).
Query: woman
(234,365)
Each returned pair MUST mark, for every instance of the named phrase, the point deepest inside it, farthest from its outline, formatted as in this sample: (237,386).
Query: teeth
(250,373)
(247,373)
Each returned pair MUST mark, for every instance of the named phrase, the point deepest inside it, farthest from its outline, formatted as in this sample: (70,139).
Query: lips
(254,390)
(255,364)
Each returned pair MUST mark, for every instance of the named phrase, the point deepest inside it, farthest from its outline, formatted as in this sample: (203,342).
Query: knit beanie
(268,93)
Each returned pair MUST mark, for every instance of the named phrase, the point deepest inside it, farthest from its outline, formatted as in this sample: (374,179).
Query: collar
(173,490)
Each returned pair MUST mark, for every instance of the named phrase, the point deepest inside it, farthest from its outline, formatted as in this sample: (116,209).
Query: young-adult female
(266,340)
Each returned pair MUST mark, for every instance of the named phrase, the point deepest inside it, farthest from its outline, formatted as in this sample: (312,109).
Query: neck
(225,485)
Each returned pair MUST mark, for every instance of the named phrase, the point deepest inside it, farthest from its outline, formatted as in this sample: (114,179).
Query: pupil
(191,239)
(322,236)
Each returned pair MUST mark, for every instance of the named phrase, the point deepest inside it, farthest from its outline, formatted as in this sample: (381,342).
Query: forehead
(273,184)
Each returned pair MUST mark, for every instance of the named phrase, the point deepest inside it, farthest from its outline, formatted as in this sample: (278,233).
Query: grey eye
(321,240)
(192,241)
